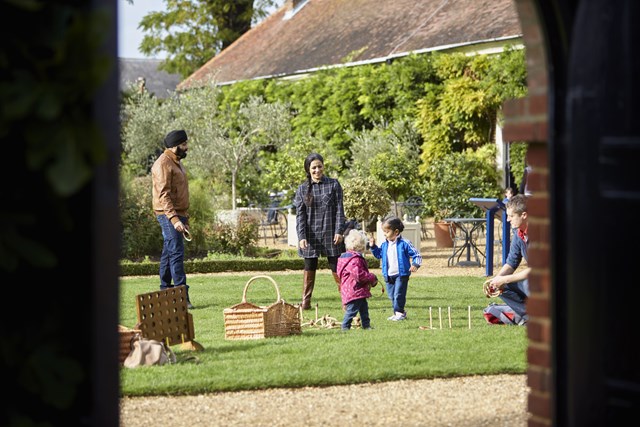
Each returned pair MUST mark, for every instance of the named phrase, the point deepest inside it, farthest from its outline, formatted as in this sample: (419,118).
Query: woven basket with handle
(126,339)
(246,321)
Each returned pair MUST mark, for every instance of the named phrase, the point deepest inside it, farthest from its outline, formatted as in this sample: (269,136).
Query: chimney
(292,4)
(291,7)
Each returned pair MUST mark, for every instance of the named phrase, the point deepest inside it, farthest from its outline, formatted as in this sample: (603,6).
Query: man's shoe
(189,305)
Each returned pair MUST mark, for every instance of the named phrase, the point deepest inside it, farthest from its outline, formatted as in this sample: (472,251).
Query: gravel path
(497,400)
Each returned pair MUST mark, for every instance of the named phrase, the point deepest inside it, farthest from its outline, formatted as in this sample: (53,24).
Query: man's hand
(499,282)
(490,290)
(303,244)
(179,226)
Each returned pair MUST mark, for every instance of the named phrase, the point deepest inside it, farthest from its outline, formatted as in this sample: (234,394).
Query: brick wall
(526,121)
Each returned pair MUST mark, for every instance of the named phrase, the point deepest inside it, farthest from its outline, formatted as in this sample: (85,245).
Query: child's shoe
(398,316)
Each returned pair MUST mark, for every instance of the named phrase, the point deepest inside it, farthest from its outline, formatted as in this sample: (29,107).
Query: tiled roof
(325,32)
(157,82)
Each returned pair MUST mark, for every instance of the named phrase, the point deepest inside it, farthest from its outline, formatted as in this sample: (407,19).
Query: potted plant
(451,181)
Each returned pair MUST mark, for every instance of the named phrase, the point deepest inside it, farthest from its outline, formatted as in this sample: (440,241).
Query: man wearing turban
(171,205)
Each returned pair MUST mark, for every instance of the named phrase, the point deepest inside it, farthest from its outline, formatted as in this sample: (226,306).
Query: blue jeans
(397,291)
(172,258)
(352,308)
(515,296)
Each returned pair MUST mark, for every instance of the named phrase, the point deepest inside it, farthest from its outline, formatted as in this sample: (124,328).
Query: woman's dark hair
(308,198)
(394,223)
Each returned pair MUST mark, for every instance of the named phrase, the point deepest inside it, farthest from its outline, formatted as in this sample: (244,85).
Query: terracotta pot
(442,235)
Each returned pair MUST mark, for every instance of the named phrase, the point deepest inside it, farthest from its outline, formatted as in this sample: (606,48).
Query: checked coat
(319,222)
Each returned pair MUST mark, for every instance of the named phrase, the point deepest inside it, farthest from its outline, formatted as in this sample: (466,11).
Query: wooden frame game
(163,316)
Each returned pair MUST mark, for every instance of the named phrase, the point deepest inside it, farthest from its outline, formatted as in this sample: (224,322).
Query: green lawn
(391,351)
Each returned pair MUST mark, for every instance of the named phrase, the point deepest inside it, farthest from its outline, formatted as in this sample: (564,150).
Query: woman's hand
(302,244)
(337,239)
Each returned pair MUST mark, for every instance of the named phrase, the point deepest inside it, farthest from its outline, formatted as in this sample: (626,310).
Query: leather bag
(146,352)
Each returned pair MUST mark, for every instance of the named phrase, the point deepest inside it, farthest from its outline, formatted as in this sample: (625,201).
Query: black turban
(175,137)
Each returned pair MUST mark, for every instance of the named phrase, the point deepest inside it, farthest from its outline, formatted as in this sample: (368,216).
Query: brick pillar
(526,121)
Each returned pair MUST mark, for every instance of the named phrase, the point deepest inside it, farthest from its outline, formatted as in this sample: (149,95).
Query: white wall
(412,231)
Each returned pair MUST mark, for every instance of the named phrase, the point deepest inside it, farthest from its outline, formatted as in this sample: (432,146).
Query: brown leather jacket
(170,187)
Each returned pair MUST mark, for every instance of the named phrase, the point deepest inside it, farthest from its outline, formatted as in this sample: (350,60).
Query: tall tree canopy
(192,32)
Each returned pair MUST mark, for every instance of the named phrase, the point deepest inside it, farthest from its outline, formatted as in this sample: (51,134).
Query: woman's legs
(308,281)
(333,265)
(309,278)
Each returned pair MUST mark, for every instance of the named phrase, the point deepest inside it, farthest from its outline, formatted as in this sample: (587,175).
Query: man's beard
(181,153)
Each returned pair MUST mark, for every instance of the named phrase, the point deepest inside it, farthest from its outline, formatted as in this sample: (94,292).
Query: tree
(235,138)
(194,31)
(145,122)
(389,153)
(285,169)
(460,108)
(397,171)
(454,179)
(222,141)
(364,199)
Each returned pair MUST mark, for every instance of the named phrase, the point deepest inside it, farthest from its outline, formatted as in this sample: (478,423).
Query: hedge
(150,268)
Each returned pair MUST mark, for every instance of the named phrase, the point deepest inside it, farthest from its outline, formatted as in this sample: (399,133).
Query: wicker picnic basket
(126,339)
(246,321)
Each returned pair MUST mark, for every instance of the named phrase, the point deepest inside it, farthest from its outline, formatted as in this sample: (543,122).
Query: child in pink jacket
(355,281)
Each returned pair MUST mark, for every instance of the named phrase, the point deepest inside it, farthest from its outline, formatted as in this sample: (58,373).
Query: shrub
(238,238)
(453,179)
(281,263)
(201,216)
(140,232)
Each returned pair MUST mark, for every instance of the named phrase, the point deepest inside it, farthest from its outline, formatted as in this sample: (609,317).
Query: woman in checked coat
(320,223)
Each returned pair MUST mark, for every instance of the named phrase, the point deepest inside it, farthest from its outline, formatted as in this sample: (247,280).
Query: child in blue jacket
(399,259)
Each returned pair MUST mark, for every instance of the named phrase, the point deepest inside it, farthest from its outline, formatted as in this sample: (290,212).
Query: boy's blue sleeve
(414,254)
(376,251)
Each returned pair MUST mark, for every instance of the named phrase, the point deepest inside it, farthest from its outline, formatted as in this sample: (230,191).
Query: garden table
(468,228)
